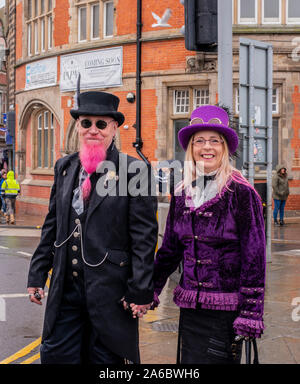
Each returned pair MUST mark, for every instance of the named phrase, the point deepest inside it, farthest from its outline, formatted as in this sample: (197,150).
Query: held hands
(36,295)
(136,310)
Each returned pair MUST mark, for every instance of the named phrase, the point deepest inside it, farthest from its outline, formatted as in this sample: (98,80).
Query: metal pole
(138,144)
(251,116)
(225,53)
(269,152)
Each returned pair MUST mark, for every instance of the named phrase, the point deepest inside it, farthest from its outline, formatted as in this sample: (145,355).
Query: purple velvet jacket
(222,246)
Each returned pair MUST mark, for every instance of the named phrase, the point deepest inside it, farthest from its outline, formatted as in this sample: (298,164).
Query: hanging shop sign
(42,73)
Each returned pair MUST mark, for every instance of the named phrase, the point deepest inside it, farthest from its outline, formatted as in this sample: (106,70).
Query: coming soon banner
(98,69)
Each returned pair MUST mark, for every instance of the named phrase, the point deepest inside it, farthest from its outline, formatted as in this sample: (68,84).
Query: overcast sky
(2,3)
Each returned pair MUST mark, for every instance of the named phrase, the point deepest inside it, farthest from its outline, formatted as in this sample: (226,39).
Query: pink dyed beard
(91,155)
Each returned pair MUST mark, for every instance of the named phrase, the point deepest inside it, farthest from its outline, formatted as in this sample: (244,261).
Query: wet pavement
(280,343)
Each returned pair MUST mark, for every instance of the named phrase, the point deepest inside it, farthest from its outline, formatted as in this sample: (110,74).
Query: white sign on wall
(98,69)
(42,73)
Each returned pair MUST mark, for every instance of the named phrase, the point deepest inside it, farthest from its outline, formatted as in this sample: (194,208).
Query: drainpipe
(138,144)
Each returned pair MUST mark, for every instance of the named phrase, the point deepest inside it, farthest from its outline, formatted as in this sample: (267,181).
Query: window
(2,105)
(82,24)
(43,35)
(201,97)
(42,6)
(95,22)
(45,140)
(181,101)
(50,32)
(36,38)
(39,26)
(247,11)
(108,18)
(271,11)
(29,9)
(95,19)
(293,11)
(236,100)
(29,40)
(275,100)
(185,100)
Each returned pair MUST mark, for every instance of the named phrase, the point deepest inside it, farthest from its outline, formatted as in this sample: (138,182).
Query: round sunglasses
(100,124)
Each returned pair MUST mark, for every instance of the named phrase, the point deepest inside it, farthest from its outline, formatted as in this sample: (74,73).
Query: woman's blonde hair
(225,173)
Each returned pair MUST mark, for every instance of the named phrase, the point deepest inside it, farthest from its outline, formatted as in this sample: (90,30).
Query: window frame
(39,29)
(29,39)
(277,101)
(236,100)
(43,35)
(44,123)
(247,20)
(290,20)
(92,21)
(36,37)
(50,32)
(271,20)
(90,5)
(79,23)
(104,18)
(185,89)
(2,105)
(195,105)
(192,99)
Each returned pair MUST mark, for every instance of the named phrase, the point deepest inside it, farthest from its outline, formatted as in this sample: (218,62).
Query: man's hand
(36,295)
(137,310)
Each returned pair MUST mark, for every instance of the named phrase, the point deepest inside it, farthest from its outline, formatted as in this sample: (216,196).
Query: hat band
(199,120)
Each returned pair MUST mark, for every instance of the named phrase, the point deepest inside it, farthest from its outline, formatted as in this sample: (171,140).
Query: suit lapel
(69,174)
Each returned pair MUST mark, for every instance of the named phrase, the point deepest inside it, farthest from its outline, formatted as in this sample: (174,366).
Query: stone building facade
(53,37)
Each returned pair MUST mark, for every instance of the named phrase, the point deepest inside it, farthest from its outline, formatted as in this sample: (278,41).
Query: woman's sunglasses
(100,124)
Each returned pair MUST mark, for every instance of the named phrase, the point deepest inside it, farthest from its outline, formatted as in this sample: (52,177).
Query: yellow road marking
(151,316)
(31,359)
(23,352)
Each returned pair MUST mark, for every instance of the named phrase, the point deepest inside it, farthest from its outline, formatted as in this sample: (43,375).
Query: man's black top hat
(98,104)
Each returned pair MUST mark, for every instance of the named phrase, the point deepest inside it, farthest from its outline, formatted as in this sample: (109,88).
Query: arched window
(44,157)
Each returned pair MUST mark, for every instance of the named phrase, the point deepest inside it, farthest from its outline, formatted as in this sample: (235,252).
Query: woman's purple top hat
(209,118)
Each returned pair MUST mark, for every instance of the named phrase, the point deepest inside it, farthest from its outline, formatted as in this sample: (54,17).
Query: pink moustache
(90,156)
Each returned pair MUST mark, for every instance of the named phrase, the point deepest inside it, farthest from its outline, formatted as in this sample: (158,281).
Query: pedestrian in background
(2,196)
(101,247)
(281,191)
(215,226)
(11,189)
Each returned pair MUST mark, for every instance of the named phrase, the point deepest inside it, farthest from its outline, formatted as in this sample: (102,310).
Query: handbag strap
(255,360)
(248,343)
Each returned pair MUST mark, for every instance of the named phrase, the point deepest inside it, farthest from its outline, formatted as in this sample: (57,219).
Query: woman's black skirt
(207,337)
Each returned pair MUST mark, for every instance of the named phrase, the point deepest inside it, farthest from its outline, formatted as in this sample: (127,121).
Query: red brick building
(54,40)
(5,159)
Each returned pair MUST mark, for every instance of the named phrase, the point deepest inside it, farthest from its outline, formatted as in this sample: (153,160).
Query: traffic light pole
(225,53)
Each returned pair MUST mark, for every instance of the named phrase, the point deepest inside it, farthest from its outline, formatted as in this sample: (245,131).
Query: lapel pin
(111,175)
